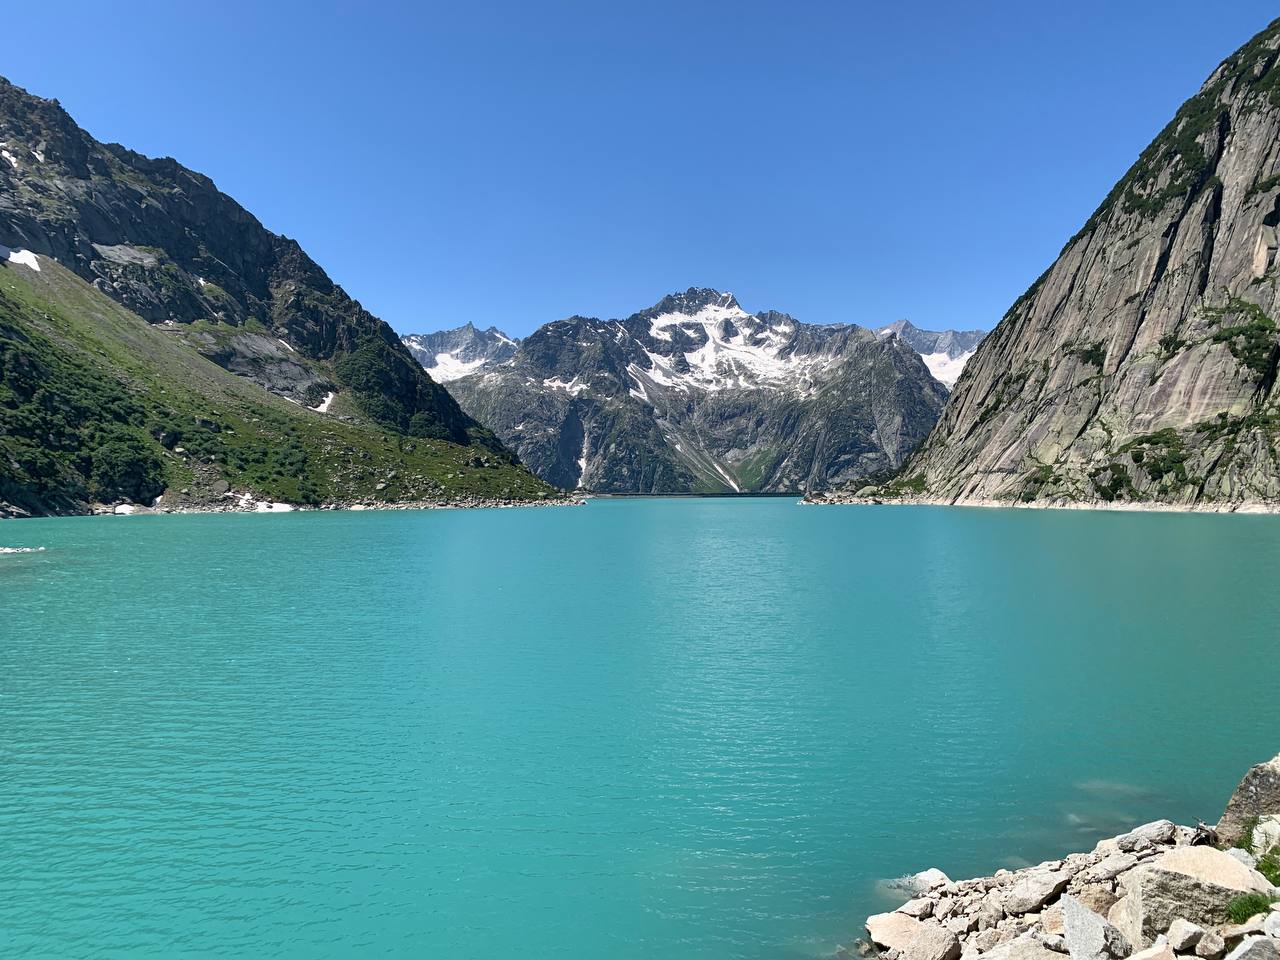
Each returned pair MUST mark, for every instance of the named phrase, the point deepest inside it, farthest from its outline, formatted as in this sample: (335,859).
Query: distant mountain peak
(945,352)
(694,301)
(451,354)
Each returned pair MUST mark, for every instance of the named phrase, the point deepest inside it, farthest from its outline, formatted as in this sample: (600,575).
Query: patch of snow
(24,257)
(324,405)
(282,343)
(204,283)
(448,367)
(573,387)
(263,506)
(38,155)
(582,462)
(727,479)
(125,509)
(946,370)
(13,161)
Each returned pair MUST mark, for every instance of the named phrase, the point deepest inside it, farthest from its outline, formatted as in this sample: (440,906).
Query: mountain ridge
(694,394)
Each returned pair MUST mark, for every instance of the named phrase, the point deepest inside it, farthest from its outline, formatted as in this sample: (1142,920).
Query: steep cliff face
(1142,364)
(164,242)
(695,395)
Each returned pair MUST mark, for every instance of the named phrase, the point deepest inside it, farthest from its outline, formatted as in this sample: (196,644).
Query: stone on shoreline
(1257,796)
(1192,883)
(1090,936)
(913,939)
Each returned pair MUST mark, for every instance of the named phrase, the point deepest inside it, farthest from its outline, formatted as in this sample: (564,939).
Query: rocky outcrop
(695,395)
(1142,365)
(1158,892)
(1258,795)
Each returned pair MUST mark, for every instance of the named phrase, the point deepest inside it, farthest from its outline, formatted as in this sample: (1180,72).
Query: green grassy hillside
(96,404)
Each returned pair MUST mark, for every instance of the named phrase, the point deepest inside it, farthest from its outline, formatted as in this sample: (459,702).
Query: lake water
(667,729)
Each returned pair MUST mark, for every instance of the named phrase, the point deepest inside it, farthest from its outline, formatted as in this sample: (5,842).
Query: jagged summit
(694,300)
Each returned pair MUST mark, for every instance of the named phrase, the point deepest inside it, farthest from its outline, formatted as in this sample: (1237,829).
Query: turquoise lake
(667,729)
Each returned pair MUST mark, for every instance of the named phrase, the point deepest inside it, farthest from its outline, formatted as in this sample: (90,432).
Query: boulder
(913,939)
(1211,945)
(1256,948)
(1034,889)
(1271,925)
(1160,950)
(1233,933)
(1192,883)
(1266,834)
(1023,947)
(1110,866)
(1258,795)
(1156,833)
(1184,935)
(1244,856)
(919,908)
(1089,936)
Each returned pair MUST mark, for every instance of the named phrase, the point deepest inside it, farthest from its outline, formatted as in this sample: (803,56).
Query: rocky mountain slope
(1142,365)
(450,354)
(141,310)
(695,395)
(944,352)
(1159,892)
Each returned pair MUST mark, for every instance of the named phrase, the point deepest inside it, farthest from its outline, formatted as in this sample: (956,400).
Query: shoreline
(1247,507)
(238,504)
(1161,891)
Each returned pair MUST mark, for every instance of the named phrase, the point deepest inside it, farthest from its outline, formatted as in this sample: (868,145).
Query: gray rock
(1256,948)
(1271,925)
(1256,796)
(1266,835)
(913,939)
(1155,833)
(1110,866)
(1184,935)
(1022,947)
(1248,859)
(1034,889)
(1211,945)
(1089,936)
(919,907)
(1192,883)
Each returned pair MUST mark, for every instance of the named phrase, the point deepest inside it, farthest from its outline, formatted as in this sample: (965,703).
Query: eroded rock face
(1258,795)
(1142,365)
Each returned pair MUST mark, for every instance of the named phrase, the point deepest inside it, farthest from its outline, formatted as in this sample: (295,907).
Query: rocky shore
(1158,892)
(828,498)
(246,503)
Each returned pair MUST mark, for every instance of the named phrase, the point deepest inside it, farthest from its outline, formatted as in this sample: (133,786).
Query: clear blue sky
(515,163)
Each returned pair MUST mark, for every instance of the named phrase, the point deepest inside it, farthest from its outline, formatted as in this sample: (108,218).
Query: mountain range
(693,395)
(154,335)
(1141,366)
